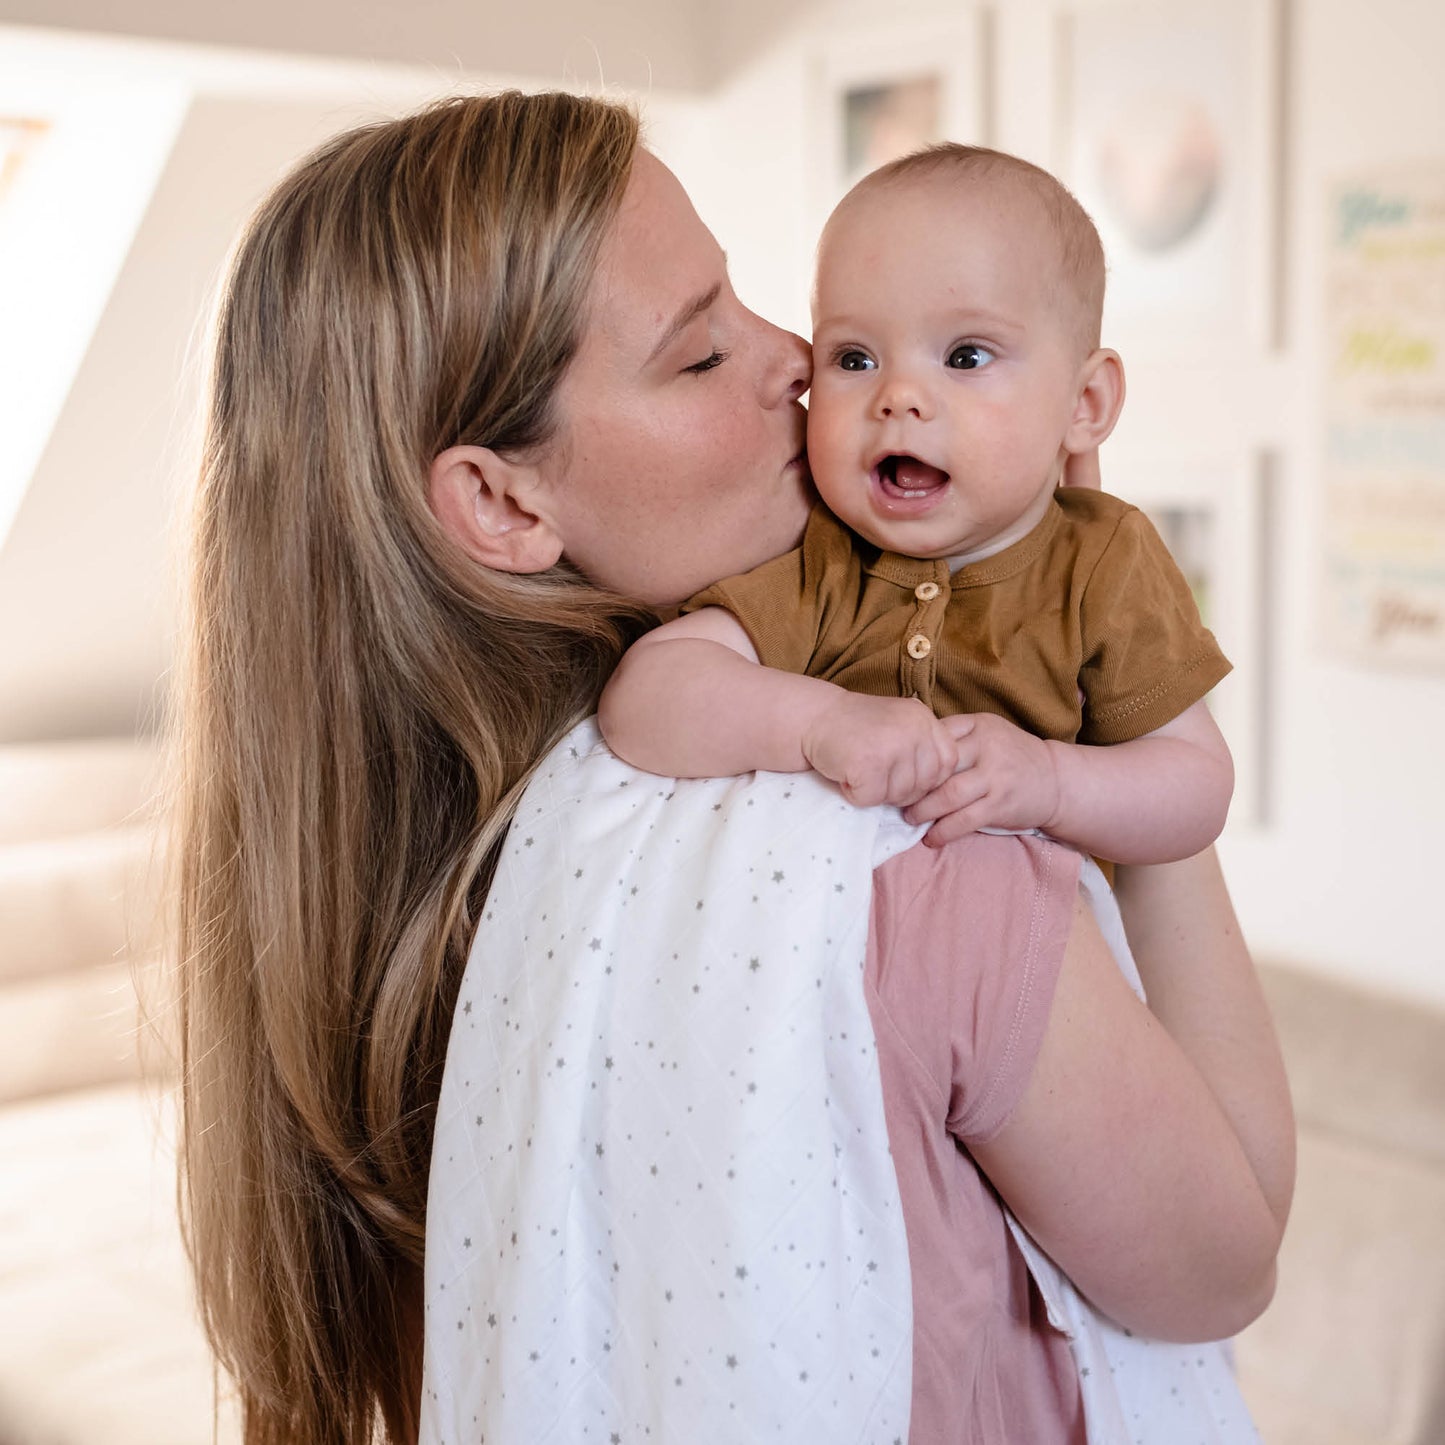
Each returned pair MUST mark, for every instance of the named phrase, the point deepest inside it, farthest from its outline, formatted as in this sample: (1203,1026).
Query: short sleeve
(969,940)
(786,604)
(1147,656)
(771,605)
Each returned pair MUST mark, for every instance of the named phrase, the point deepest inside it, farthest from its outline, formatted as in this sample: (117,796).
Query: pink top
(960,997)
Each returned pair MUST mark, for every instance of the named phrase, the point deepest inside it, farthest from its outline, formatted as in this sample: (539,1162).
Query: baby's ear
(1101,398)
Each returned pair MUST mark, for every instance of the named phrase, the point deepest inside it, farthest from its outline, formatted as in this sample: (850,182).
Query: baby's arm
(1154,799)
(690,700)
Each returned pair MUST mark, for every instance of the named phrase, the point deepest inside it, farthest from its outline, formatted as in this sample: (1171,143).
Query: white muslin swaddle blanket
(662,1206)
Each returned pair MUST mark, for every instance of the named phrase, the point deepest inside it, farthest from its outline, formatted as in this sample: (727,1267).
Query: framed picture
(1216,516)
(1382,568)
(1188,529)
(882,90)
(885,118)
(17,136)
(1167,131)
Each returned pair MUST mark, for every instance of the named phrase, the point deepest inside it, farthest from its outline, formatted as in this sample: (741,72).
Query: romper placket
(927,579)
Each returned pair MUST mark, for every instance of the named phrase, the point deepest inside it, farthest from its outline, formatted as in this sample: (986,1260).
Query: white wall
(154,159)
(70,214)
(86,586)
(746,170)
(639,43)
(1350,876)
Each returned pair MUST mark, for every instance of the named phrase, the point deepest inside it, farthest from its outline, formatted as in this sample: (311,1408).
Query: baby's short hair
(1080,252)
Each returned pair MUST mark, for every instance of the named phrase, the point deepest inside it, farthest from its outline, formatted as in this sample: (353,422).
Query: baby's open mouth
(906,477)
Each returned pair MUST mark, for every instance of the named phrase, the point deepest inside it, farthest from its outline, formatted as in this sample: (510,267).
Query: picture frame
(1381,563)
(882,90)
(1216,514)
(1168,128)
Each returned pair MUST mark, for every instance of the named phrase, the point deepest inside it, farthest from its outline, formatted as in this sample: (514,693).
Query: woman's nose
(794,366)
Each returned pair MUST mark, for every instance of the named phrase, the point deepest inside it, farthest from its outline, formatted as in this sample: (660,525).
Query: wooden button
(918,645)
(926,591)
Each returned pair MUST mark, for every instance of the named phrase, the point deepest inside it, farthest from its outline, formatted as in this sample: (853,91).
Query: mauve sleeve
(972,936)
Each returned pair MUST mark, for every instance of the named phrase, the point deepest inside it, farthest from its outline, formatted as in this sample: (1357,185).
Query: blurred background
(1269,179)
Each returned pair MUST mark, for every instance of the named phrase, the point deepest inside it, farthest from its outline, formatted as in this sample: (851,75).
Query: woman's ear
(488,506)
(1101,398)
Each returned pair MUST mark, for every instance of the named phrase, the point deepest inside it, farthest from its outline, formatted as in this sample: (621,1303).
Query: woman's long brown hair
(357,711)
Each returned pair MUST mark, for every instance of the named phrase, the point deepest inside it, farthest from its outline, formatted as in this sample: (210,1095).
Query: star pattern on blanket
(610,1200)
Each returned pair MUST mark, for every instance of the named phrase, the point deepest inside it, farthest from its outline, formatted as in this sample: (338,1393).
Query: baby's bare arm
(1155,799)
(690,700)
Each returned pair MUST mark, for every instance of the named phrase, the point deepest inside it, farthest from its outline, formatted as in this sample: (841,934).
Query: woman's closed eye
(969,356)
(716,357)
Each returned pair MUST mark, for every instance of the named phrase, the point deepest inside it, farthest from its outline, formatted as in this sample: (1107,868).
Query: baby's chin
(908,535)
(892,536)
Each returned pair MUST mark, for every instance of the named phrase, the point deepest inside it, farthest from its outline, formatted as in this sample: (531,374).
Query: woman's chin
(803,498)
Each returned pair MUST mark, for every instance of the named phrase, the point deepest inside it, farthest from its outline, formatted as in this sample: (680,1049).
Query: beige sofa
(1352,1352)
(98,1342)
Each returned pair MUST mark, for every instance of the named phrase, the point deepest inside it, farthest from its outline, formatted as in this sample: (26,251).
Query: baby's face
(946,369)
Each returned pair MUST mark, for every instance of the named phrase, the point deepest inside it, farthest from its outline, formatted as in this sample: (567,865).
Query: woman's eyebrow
(684,318)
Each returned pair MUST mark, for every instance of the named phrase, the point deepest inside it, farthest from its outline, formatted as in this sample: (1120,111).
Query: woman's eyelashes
(715,357)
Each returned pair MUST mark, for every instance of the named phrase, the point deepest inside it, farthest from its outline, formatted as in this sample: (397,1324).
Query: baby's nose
(902,398)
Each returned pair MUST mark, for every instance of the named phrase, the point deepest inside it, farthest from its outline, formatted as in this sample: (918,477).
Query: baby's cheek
(829,421)
(830,455)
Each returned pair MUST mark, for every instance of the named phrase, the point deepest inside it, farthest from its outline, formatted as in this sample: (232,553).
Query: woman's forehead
(660,265)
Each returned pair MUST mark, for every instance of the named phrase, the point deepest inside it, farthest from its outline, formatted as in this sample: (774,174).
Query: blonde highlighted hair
(357,711)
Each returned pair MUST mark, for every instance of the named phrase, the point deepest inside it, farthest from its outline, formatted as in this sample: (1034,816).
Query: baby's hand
(1005,779)
(880,749)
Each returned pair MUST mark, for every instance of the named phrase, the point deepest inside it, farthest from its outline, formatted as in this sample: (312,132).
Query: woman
(484,400)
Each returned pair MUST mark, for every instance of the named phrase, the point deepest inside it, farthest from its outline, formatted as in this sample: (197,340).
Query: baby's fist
(880,749)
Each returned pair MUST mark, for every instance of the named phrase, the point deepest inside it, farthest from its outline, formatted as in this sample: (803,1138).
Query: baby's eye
(969,357)
(855,361)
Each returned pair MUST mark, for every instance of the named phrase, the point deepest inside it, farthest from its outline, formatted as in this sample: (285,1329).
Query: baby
(956,633)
